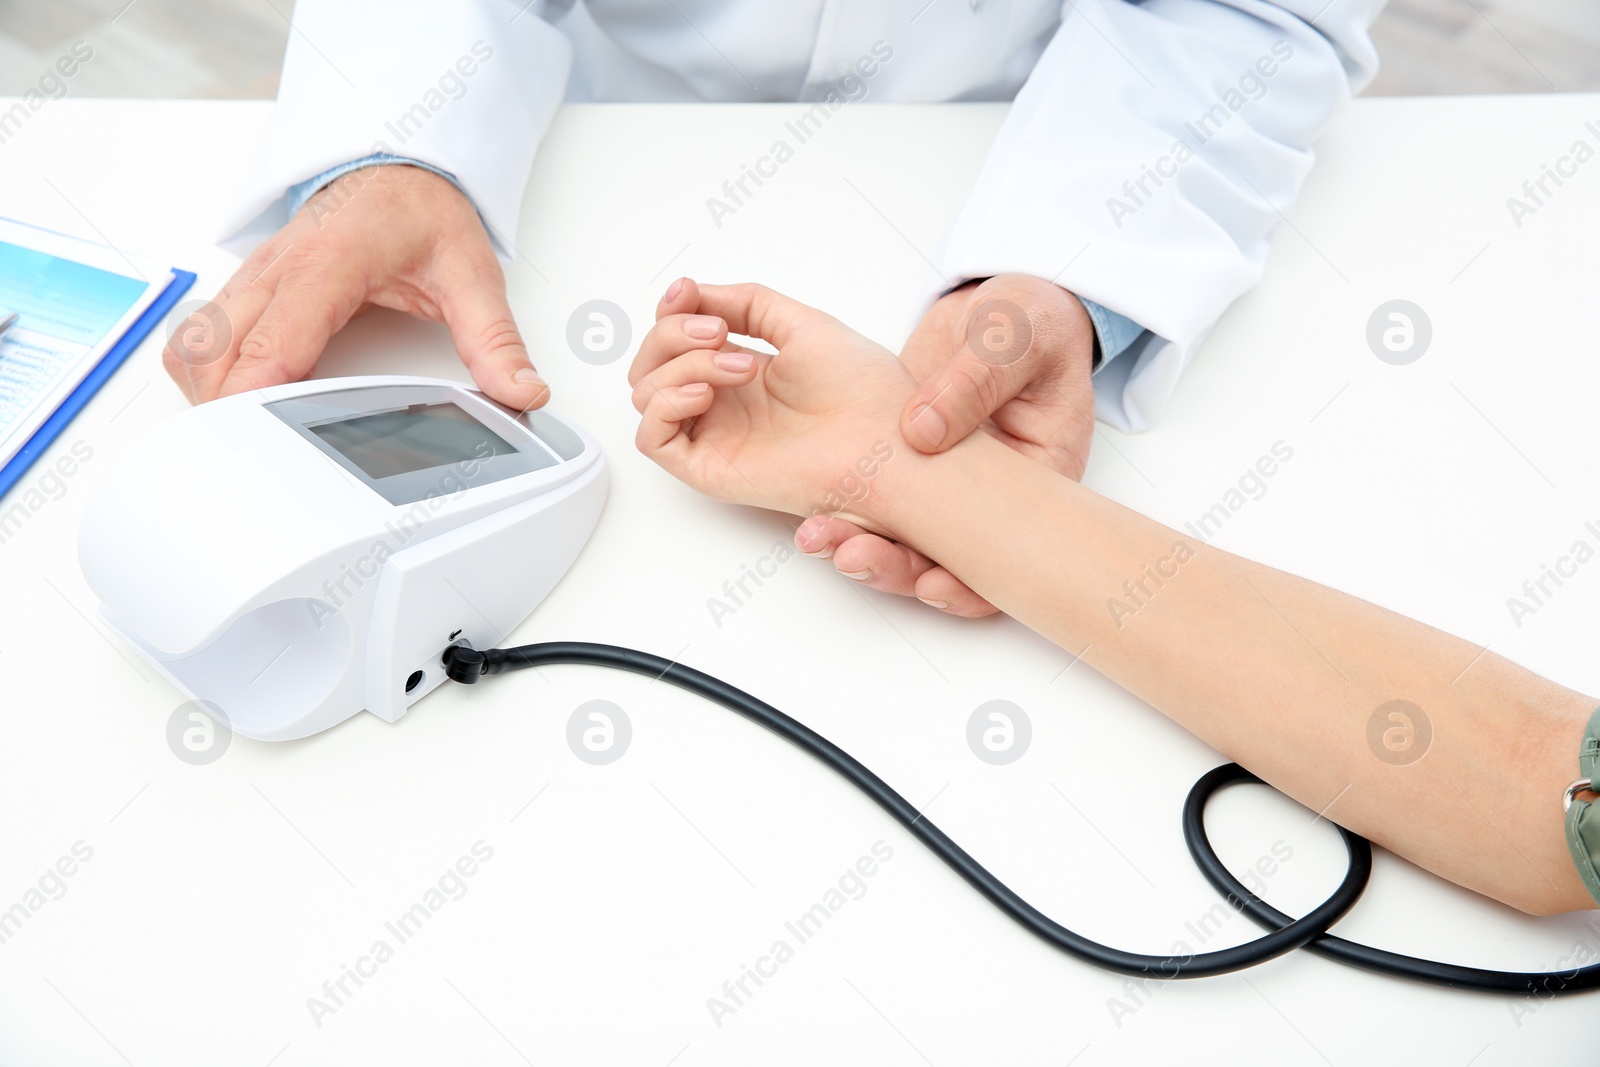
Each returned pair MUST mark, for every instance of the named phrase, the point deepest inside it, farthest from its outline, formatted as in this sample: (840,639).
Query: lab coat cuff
(298,194)
(1114,333)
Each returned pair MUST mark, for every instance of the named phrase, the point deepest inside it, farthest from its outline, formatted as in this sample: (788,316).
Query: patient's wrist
(858,489)
(916,491)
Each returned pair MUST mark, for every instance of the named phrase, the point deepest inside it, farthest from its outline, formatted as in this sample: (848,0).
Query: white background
(220,898)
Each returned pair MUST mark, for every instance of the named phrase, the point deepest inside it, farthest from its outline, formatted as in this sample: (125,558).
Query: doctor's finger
(486,337)
(959,397)
(671,337)
(732,367)
(823,536)
(861,554)
(820,535)
(940,589)
(883,564)
(203,346)
(286,342)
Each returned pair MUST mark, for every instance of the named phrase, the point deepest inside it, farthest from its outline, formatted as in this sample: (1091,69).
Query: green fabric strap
(1583,818)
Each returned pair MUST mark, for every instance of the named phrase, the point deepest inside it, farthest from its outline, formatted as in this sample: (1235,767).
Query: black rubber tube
(1381,961)
(1285,933)
(1282,939)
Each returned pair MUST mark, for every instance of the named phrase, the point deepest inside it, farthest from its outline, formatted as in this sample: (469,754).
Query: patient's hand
(813,429)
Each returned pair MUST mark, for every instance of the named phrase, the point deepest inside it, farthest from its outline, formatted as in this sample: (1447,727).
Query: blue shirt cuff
(299,194)
(1114,332)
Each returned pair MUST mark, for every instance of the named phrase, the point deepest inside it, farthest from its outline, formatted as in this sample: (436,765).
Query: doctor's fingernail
(673,290)
(814,542)
(930,425)
(811,534)
(941,605)
(859,576)
(702,326)
(693,389)
(527,376)
(736,362)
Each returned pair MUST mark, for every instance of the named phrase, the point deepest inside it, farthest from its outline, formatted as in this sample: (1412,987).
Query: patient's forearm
(1276,672)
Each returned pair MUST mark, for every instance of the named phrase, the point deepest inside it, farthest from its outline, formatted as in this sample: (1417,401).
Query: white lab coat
(1143,165)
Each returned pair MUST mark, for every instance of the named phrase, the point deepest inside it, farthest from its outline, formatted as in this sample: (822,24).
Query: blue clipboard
(46,434)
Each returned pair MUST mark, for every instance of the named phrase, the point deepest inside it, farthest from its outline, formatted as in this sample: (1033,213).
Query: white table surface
(219,898)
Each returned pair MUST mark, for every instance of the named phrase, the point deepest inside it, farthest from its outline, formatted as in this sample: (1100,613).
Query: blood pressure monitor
(292,556)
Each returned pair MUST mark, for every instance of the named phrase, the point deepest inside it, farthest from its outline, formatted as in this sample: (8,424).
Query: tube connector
(465,664)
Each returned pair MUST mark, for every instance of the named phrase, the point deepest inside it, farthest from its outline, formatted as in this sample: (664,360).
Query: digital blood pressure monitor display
(421,436)
(291,556)
(403,440)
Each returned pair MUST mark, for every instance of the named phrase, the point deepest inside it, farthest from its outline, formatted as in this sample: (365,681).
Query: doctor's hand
(1011,356)
(395,236)
(813,429)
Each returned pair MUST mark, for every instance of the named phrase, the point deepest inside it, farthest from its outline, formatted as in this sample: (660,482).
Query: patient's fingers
(731,366)
(680,298)
(662,435)
(756,311)
(671,337)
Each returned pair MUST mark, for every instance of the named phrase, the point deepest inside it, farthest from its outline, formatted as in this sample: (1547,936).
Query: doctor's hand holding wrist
(1011,355)
(398,237)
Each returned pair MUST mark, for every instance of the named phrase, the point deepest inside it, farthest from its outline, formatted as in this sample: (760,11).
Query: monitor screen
(410,439)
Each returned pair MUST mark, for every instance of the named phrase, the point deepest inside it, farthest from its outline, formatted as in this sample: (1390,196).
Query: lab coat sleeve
(468,87)
(1147,159)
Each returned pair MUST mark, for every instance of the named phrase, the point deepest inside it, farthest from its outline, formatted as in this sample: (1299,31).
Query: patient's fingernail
(942,605)
(527,376)
(696,389)
(673,290)
(859,576)
(704,327)
(930,425)
(737,362)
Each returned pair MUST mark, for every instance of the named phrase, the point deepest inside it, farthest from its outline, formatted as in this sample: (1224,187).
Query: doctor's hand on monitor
(398,237)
